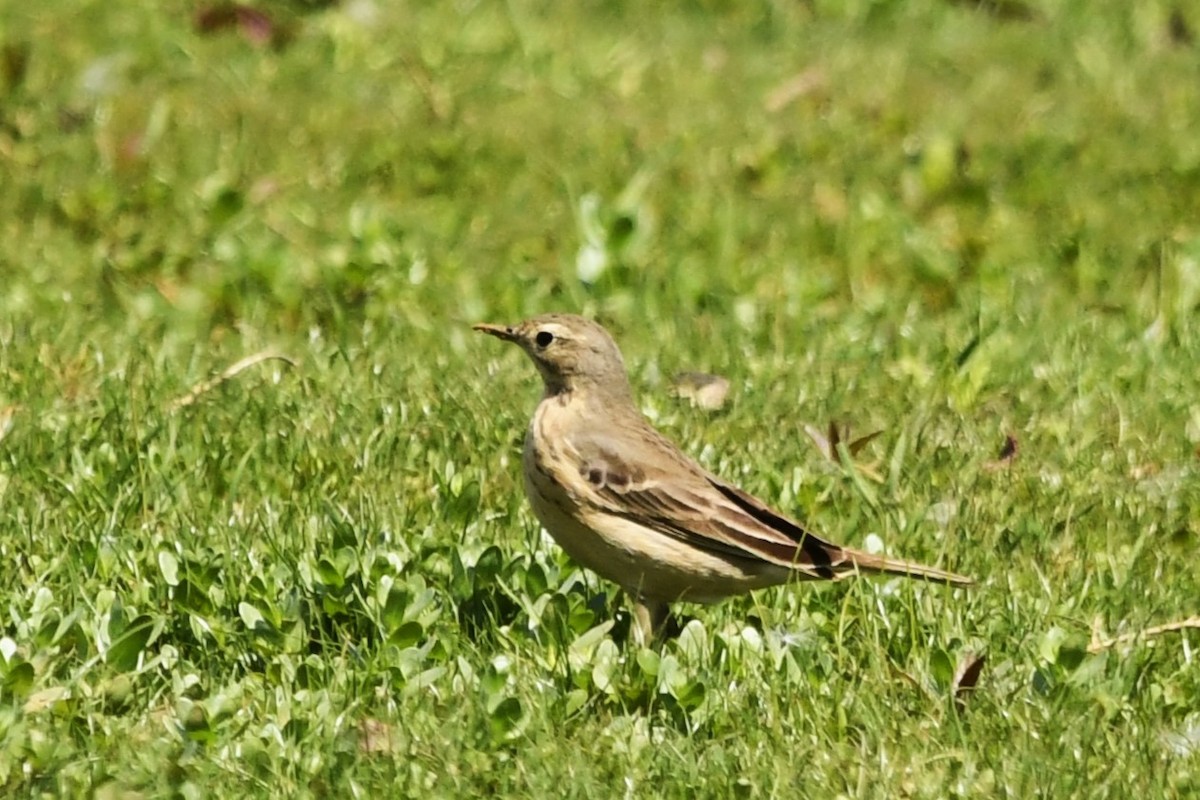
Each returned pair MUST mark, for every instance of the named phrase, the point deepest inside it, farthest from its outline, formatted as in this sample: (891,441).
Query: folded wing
(660,488)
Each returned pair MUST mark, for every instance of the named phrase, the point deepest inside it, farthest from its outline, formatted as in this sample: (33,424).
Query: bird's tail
(865,562)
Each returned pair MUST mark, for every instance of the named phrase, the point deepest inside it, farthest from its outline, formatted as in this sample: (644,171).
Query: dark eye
(544,338)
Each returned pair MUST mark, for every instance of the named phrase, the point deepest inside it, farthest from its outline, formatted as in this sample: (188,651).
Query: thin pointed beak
(504,332)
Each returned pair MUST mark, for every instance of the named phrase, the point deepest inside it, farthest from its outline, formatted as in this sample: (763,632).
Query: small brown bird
(624,501)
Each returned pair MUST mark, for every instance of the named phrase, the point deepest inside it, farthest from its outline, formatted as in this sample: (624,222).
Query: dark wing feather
(681,500)
(811,550)
(816,556)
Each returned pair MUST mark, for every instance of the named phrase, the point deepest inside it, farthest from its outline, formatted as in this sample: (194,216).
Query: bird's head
(570,352)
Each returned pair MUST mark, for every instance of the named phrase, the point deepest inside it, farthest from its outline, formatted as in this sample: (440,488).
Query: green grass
(322,579)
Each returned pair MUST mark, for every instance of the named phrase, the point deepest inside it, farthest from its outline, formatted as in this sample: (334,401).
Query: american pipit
(625,502)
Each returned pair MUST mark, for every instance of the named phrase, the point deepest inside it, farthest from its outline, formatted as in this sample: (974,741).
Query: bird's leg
(648,618)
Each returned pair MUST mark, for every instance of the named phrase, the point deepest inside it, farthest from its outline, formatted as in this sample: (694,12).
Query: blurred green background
(957,223)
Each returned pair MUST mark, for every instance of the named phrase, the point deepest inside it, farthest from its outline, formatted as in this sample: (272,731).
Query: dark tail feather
(865,562)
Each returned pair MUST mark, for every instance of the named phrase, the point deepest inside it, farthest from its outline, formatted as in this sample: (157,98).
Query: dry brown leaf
(45,698)
(7,414)
(375,736)
(804,83)
(821,441)
(966,677)
(1178,30)
(254,24)
(1142,471)
(1100,643)
(861,442)
(830,443)
(227,374)
(702,389)
(1006,456)
(1007,10)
